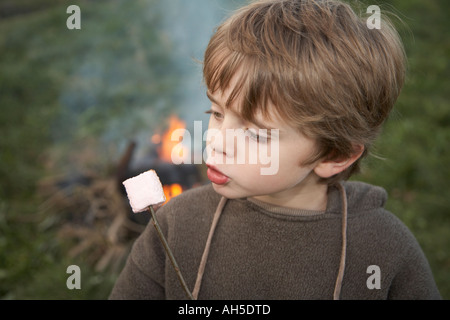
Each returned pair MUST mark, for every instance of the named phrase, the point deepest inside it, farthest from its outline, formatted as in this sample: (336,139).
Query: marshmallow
(144,190)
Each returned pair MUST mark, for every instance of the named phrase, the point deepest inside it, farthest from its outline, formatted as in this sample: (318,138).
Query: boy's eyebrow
(254,121)
(210,97)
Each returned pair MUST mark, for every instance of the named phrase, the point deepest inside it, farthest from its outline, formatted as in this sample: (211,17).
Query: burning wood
(94,216)
(92,213)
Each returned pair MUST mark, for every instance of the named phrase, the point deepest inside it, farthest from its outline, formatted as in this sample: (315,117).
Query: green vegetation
(414,143)
(67,96)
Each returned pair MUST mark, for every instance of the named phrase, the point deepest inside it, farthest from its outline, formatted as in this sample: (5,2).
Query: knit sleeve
(143,276)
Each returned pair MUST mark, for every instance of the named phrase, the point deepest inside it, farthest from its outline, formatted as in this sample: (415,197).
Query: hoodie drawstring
(201,268)
(219,209)
(340,276)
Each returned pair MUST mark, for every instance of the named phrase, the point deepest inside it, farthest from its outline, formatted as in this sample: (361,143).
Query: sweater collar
(361,197)
(334,203)
(284,210)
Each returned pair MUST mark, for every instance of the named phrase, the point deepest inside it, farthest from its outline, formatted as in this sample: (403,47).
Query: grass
(57,85)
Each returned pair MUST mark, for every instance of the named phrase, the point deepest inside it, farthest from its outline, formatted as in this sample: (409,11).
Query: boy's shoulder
(369,219)
(362,196)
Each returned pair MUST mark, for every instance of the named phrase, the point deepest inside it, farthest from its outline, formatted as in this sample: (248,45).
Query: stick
(169,253)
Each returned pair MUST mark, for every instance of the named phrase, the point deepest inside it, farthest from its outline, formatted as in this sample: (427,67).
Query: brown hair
(326,72)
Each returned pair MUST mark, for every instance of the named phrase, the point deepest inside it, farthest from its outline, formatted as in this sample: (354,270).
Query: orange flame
(171,191)
(167,146)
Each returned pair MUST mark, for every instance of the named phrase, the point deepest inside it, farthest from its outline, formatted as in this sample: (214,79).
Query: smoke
(137,63)
(190,24)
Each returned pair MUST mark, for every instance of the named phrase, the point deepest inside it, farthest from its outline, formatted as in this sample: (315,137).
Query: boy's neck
(309,195)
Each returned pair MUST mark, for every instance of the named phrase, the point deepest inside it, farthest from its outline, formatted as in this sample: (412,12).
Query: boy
(320,83)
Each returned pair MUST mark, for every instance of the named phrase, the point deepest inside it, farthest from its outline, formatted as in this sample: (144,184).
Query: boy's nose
(223,142)
(219,144)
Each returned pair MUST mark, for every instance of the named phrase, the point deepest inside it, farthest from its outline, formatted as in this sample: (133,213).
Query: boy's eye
(254,135)
(215,114)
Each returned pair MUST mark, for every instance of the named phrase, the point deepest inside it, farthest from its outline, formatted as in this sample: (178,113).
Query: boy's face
(245,161)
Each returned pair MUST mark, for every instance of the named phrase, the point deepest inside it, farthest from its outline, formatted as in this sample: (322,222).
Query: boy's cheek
(272,169)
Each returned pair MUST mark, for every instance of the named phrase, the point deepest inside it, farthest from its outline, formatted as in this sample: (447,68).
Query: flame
(172,190)
(167,146)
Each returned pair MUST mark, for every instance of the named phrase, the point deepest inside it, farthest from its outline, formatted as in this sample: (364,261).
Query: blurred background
(81,110)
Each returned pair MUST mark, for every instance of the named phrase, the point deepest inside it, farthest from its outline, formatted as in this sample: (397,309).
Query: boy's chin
(230,192)
(225,190)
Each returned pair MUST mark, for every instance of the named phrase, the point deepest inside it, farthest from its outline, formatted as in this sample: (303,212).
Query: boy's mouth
(216,176)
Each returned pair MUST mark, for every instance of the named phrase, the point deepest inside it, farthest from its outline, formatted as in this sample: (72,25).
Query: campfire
(175,178)
(165,143)
(100,224)
(165,148)
(172,190)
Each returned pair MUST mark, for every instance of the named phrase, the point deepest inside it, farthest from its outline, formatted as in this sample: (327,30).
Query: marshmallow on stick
(144,190)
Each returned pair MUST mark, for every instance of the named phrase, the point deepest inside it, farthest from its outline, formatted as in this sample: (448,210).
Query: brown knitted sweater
(259,251)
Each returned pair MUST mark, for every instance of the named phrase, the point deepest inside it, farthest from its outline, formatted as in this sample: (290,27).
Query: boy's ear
(328,168)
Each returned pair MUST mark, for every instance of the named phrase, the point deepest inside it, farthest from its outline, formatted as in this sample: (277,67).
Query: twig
(169,253)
